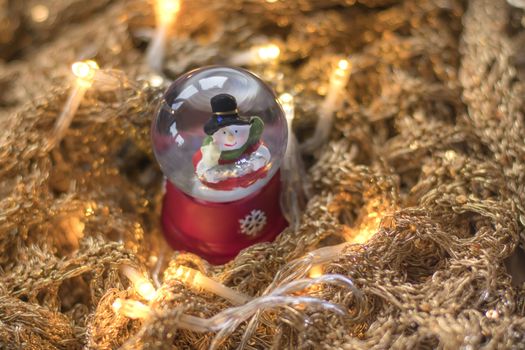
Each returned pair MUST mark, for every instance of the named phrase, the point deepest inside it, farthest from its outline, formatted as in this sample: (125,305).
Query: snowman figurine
(232,156)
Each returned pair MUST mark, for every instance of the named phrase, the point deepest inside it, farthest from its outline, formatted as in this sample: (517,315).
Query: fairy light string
(166,12)
(313,267)
(226,321)
(294,192)
(245,306)
(313,262)
(259,54)
(330,105)
(468,79)
(195,279)
(84,72)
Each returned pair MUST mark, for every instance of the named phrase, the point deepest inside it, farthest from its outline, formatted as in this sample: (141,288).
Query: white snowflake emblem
(253,223)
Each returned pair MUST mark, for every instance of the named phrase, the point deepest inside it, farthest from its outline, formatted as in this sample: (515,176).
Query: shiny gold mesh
(424,171)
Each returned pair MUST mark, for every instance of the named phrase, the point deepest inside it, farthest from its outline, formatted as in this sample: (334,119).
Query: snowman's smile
(231,137)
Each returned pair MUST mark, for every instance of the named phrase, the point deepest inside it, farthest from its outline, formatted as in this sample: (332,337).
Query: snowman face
(231,137)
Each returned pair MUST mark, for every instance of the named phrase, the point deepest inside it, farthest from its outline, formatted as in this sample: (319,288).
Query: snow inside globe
(219,134)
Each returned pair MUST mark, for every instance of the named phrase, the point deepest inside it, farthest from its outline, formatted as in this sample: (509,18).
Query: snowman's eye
(236,131)
(224,132)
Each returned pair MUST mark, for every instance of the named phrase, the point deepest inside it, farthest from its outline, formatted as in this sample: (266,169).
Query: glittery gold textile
(424,171)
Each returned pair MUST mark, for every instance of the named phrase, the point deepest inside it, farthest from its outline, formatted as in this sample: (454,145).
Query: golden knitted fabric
(424,172)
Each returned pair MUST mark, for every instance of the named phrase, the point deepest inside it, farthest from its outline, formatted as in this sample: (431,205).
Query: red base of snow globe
(219,231)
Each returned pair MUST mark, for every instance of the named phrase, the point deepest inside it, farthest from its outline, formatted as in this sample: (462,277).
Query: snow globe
(219,136)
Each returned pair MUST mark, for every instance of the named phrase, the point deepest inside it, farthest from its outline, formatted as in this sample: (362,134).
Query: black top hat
(225,113)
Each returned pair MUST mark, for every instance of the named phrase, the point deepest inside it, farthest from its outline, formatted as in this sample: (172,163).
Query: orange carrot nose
(230,138)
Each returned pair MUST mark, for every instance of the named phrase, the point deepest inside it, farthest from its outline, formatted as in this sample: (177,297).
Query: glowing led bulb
(167,10)
(343,64)
(131,308)
(39,13)
(146,290)
(187,275)
(196,279)
(117,305)
(85,72)
(339,76)
(141,284)
(287,102)
(315,271)
(268,53)
(286,98)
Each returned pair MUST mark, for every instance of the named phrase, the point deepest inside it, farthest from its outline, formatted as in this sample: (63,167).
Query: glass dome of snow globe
(219,134)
